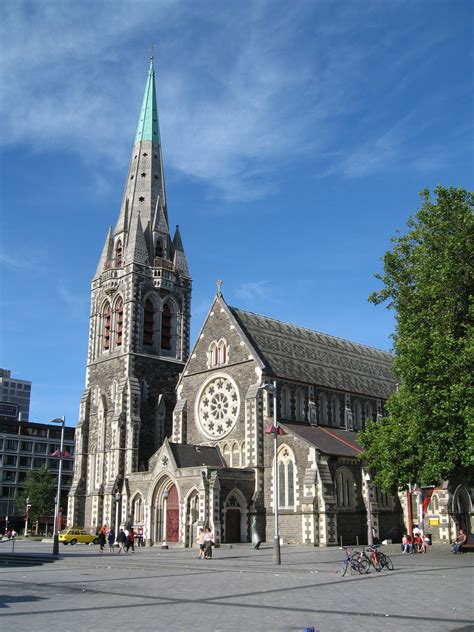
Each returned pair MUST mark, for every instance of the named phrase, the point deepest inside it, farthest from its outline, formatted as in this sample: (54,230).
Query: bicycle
(385,561)
(353,560)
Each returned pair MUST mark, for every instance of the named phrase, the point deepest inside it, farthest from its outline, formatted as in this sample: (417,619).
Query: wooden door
(232,524)
(172,516)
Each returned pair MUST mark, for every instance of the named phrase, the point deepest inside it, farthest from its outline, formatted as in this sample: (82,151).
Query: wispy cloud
(253,291)
(239,98)
(78,304)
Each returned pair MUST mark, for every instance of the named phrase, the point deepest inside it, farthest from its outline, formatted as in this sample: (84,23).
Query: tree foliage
(427,436)
(40,489)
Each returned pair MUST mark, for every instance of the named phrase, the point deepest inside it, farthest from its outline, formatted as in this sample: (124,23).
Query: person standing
(111,540)
(200,542)
(208,543)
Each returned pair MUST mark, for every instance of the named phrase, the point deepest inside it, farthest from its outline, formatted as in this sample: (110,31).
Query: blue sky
(295,140)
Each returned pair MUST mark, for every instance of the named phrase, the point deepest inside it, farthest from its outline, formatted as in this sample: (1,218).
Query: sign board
(434,522)
(8,410)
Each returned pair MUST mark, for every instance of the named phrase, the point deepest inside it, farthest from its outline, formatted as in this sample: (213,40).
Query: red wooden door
(172,516)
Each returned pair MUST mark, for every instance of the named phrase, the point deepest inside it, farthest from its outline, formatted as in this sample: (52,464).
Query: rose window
(218,407)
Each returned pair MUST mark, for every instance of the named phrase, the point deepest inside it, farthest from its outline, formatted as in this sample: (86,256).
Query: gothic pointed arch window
(323,408)
(148,323)
(166,326)
(227,454)
(357,415)
(344,488)
(106,323)
(119,254)
(369,411)
(285,402)
(286,478)
(217,353)
(336,411)
(235,455)
(119,322)
(300,405)
(159,250)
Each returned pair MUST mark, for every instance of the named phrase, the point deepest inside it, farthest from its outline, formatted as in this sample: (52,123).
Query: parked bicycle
(354,562)
(373,557)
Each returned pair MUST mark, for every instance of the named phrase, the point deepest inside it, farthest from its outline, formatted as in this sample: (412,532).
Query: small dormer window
(159,249)
(218,353)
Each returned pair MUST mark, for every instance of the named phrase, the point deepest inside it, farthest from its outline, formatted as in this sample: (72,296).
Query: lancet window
(148,323)
(286,479)
(119,254)
(119,323)
(166,321)
(106,317)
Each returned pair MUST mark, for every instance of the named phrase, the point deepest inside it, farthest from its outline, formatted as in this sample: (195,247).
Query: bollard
(341,541)
(357,540)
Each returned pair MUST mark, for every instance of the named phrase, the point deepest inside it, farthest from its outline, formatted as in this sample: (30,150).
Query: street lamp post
(272,389)
(117,524)
(61,421)
(370,533)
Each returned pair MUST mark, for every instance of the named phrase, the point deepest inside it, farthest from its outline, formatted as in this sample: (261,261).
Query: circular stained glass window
(218,406)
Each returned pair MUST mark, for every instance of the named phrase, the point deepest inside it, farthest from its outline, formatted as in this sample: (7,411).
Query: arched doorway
(232,524)
(172,515)
(235,517)
(462,508)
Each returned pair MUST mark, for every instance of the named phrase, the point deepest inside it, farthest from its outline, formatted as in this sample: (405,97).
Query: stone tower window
(106,320)
(344,488)
(166,327)
(148,323)
(119,254)
(159,249)
(119,328)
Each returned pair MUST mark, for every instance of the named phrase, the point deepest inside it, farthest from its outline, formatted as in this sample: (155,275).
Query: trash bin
(428,539)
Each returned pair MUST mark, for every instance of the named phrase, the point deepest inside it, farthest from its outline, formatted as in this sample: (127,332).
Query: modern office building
(16,392)
(26,446)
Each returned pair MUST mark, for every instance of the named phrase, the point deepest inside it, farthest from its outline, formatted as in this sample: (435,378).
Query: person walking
(130,540)
(208,543)
(122,541)
(102,538)
(111,540)
(200,541)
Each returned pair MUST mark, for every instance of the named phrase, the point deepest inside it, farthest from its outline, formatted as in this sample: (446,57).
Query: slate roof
(328,440)
(187,455)
(296,353)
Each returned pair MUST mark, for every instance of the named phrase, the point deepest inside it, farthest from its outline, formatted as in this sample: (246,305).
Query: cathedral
(170,440)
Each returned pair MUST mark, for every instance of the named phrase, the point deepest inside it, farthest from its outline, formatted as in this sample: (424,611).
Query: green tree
(40,489)
(427,436)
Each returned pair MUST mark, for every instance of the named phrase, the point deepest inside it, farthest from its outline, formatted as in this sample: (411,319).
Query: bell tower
(138,336)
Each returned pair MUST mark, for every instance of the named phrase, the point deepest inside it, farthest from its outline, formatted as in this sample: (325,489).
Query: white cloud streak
(239,98)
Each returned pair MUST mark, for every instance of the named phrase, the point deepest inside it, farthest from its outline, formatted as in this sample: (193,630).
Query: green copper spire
(148,128)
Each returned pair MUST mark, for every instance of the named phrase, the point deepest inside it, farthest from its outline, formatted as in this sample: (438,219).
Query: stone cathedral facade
(169,441)
(139,335)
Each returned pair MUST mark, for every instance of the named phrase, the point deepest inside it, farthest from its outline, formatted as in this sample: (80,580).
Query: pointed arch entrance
(172,515)
(235,517)
(165,512)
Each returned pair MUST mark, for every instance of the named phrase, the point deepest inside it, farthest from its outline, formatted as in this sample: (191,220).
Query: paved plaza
(239,589)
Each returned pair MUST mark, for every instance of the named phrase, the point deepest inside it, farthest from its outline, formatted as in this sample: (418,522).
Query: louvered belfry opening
(148,323)
(166,327)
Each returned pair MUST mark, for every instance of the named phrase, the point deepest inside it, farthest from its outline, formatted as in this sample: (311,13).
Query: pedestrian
(406,544)
(130,540)
(200,541)
(122,541)
(102,538)
(111,540)
(208,543)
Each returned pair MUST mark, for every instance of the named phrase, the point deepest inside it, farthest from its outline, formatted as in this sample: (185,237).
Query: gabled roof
(299,354)
(331,441)
(187,455)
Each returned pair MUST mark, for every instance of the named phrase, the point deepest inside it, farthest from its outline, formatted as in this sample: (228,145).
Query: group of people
(10,534)
(415,544)
(205,541)
(125,540)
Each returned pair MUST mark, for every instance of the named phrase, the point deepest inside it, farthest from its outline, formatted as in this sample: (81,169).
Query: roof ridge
(313,331)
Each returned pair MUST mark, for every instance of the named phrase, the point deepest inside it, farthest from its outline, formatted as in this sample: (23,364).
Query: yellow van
(74,535)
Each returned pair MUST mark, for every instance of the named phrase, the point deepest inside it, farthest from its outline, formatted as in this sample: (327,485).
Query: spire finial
(152,53)
(219,287)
